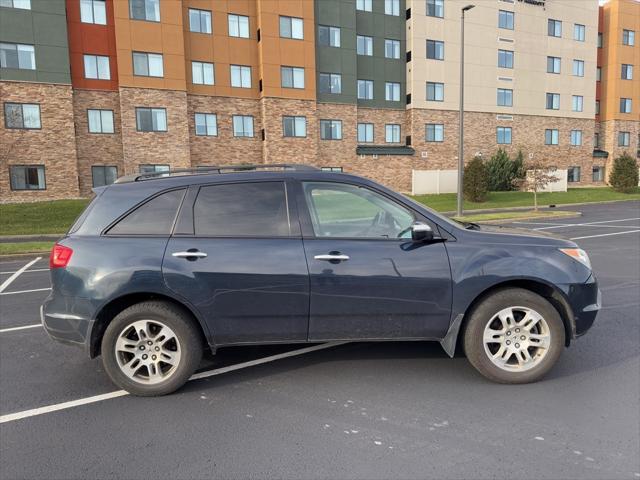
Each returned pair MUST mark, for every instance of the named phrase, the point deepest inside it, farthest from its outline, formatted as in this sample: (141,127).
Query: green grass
(446,202)
(485,217)
(39,218)
(25,247)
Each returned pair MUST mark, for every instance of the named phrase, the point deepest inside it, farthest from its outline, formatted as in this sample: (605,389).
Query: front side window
(576,138)
(331,129)
(578,68)
(573,174)
(505,59)
(330,83)
(551,136)
(505,19)
(100,121)
(505,97)
(392,133)
(206,124)
(365,89)
(578,32)
(27,177)
(597,173)
(503,135)
(292,77)
(154,217)
(21,4)
(97,67)
(328,36)
(625,105)
(628,37)
(242,210)
(242,126)
(392,91)
(148,64)
(435,92)
(16,55)
(203,73)
(364,45)
(392,7)
(364,5)
(342,210)
(199,21)
(294,126)
(435,132)
(93,11)
(577,103)
(103,175)
(22,115)
(148,10)
(623,139)
(365,133)
(391,48)
(435,8)
(553,101)
(553,64)
(291,27)
(554,28)
(627,72)
(240,76)
(151,119)
(435,50)
(238,26)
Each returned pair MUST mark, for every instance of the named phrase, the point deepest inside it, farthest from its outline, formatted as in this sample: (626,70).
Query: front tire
(514,336)
(151,348)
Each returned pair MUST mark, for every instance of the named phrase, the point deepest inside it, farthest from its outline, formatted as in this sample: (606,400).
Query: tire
(151,348)
(511,317)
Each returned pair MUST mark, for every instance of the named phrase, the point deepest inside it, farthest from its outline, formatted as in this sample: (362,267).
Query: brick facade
(609,131)
(281,149)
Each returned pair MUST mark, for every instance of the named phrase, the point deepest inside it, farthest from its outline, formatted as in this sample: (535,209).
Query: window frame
(624,103)
(293,70)
(367,41)
(366,126)
(437,86)
(435,130)
(146,54)
(200,13)
(395,48)
(628,37)
(553,96)
(554,134)
(329,30)
(13,5)
(131,17)
(242,70)
(101,132)
(557,28)
(25,166)
(504,130)
(626,71)
(151,109)
(330,77)
(437,6)
(368,89)
(507,56)
(437,46)
(580,30)
(32,52)
(396,87)
(393,6)
(206,116)
(239,25)
(93,183)
(290,21)
(553,61)
(571,178)
(244,131)
(331,122)
(93,13)
(22,104)
(579,71)
(294,118)
(394,127)
(367,5)
(575,138)
(624,135)
(509,17)
(601,173)
(201,73)
(577,100)
(96,59)
(507,93)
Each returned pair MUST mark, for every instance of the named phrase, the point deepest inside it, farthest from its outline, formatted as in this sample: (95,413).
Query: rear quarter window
(154,217)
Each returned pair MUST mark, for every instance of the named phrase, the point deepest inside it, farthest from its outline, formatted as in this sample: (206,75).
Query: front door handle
(188,254)
(332,257)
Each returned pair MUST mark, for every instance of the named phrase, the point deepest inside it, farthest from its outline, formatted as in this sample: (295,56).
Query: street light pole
(461,114)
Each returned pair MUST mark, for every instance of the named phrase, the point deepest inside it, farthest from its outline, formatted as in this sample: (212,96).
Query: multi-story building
(94,89)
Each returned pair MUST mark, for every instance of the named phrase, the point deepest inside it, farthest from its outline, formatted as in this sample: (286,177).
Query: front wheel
(514,336)
(151,348)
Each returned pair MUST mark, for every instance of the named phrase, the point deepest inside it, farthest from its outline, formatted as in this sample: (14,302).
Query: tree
(504,173)
(475,180)
(537,177)
(624,175)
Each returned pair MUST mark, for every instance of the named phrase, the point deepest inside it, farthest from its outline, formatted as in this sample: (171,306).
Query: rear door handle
(189,254)
(339,257)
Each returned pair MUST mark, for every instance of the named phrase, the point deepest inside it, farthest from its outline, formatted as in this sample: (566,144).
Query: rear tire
(151,348)
(514,336)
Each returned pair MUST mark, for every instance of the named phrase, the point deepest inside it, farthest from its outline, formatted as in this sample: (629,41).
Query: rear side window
(154,217)
(242,209)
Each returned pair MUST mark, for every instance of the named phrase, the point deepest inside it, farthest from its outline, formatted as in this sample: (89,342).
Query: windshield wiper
(471,226)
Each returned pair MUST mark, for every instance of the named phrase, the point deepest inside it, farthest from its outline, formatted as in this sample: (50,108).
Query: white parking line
(605,235)
(28,271)
(14,329)
(26,291)
(589,223)
(120,393)
(16,274)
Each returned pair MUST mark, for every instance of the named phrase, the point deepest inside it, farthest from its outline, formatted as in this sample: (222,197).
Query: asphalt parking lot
(356,410)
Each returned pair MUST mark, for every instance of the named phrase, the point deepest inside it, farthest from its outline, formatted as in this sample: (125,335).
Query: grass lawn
(25,247)
(41,217)
(522,214)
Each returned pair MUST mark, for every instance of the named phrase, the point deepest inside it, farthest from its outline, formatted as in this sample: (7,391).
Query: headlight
(578,254)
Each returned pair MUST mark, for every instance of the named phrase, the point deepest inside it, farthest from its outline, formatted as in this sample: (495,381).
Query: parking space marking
(16,274)
(605,235)
(13,329)
(588,224)
(11,417)
(26,291)
(27,271)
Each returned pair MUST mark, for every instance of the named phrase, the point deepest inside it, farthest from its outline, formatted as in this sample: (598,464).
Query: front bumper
(585,301)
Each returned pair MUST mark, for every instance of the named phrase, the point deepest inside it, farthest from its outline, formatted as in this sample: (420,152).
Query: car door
(237,256)
(369,280)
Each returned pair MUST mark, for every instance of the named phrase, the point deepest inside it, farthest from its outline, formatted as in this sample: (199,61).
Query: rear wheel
(151,348)
(514,336)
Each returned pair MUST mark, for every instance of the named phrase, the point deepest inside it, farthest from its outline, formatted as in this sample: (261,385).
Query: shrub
(504,173)
(624,174)
(475,180)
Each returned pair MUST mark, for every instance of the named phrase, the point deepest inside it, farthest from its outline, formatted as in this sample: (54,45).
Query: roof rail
(137,177)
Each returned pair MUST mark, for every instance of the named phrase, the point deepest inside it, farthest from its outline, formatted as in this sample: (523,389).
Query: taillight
(60,256)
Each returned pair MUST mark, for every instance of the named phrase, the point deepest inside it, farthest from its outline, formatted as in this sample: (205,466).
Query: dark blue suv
(161,266)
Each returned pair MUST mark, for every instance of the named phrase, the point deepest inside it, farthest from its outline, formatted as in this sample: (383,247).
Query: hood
(500,234)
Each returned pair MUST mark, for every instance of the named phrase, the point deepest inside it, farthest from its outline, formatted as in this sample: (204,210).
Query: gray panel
(50,29)
(51,60)
(56,7)
(16,74)
(16,26)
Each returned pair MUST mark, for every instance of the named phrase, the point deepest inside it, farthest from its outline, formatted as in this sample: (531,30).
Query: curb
(520,219)
(45,237)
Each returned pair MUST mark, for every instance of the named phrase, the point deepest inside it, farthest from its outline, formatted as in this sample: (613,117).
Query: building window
(242,126)
(97,67)
(505,97)
(365,89)
(328,36)
(291,27)
(363,5)
(435,132)
(598,74)
(365,132)
(392,7)
(628,37)
(206,124)
(151,119)
(392,91)
(331,129)
(147,64)
(503,135)
(573,174)
(597,173)
(203,73)
(199,21)
(596,140)
(553,101)
(392,133)
(576,103)
(505,59)
(627,72)
(597,107)
(27,177)
(576,138)
(22,115)
(553,64)
(240,76)
(554,28)
(435,8)
(294,126)
(551,136)
(364,45)
(21,4)
(20,56)
(330,83)
(292,77)
(92,11)
(391,48)
(623,139)
(435,92)
(435,50)
(578,68)
(148,10)
(103,175)
(505,19)
(100,121)
(578,32)
(625,105)
(238,26)
(153,168)
(331,169)
(600,39)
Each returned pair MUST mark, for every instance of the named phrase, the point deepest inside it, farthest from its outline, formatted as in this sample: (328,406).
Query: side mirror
(421,232)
